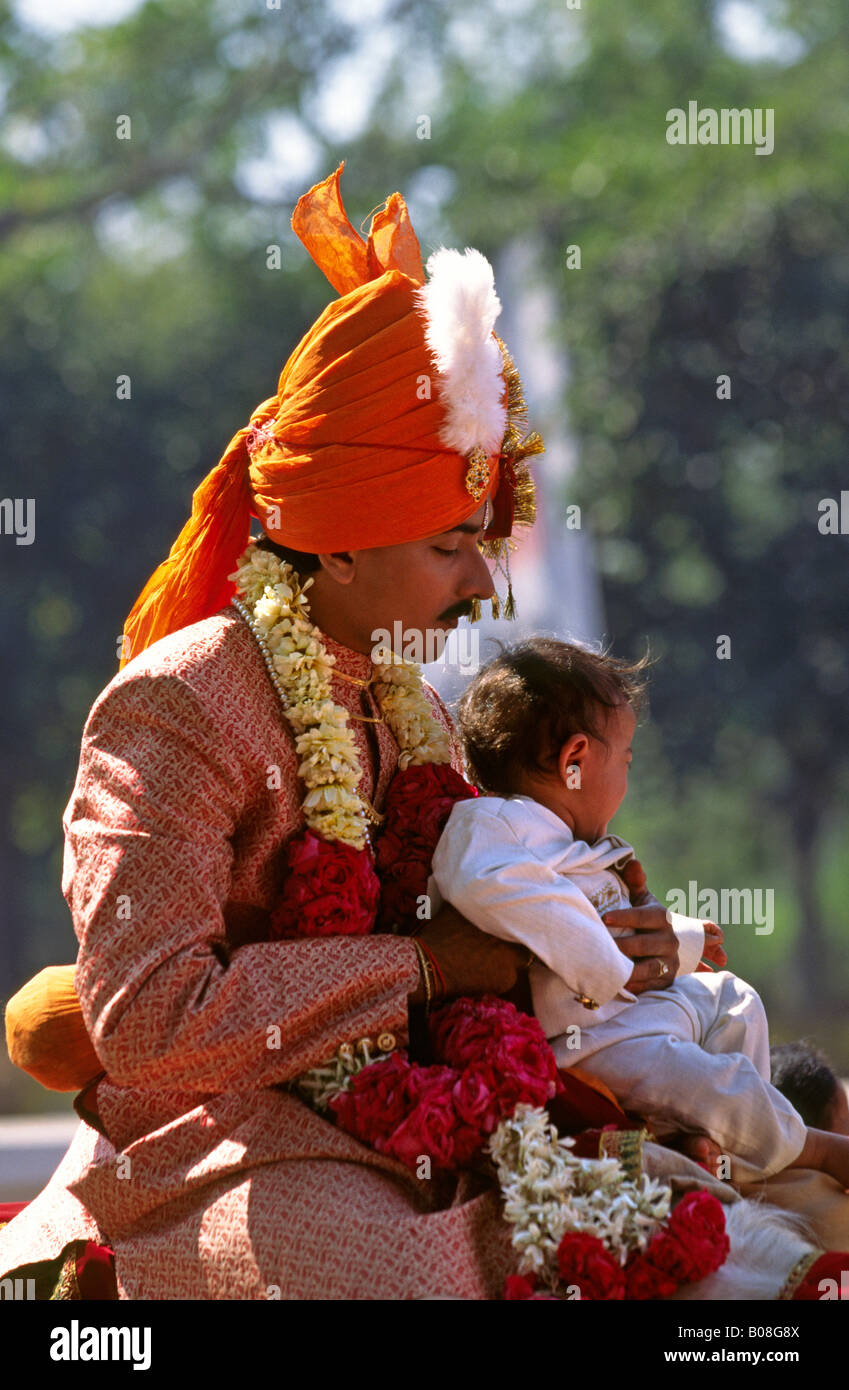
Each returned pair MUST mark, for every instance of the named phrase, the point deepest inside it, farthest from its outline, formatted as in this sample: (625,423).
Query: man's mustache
(457,610)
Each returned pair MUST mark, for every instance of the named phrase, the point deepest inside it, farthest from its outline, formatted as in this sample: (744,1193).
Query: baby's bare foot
(703,1150)
(700,1148)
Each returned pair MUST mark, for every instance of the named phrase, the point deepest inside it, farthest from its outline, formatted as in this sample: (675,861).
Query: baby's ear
(570,761)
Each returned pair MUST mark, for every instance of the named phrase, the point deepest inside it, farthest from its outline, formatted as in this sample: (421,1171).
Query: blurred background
(528,129)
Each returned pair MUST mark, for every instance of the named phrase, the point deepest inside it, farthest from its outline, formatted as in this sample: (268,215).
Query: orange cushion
(45,1032)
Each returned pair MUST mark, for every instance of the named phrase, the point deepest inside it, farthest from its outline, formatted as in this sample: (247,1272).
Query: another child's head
(803,1075)
(554,721)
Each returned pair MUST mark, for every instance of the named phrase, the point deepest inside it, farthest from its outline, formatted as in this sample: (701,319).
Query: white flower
(547,1191)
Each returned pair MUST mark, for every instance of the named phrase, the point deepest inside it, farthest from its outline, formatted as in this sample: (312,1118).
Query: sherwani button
(386,1042)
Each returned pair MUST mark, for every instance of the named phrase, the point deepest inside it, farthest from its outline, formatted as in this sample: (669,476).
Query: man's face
(425,585)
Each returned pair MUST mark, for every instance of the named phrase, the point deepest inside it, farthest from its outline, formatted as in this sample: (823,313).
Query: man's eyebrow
(468,527)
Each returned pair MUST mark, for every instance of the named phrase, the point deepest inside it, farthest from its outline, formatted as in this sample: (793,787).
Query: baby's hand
(635,881)
(713,951)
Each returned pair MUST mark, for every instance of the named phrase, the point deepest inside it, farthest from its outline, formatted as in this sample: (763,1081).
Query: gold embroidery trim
(799,1274)
(626,1145)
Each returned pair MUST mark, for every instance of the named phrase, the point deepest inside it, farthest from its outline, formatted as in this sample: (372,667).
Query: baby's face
(604,775)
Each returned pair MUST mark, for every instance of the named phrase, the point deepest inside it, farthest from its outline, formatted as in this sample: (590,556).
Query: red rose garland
(332,889)
(490,1057)
(584,1262)
(692,1245)
(418,803)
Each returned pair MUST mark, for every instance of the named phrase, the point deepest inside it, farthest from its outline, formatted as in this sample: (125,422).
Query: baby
(547,728)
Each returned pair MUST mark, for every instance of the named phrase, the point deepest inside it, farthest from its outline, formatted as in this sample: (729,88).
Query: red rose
(519,1287)
(644,1280)
(429,1129)
(376,1101)
(423,1079)
(402,887)
(421,798)
(698,1225)
(525,1060)
(475,1096)
(462,1031)
(418,803)
(330,889)
(699,1213)
(692,1245)
(389,848)
(584,1260)
(493,1033)
(667,1253)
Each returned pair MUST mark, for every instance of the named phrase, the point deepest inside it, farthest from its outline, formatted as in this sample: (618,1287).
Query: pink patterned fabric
(213,1182)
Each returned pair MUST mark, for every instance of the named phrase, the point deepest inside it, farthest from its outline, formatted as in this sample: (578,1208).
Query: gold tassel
(474,616)
(491,549)
(510,606)
(517,446)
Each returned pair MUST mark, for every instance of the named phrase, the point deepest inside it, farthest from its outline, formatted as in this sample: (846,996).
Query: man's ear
(339,565)
(572,756)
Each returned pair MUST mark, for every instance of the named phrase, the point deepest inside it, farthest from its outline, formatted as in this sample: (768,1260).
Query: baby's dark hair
(802,1074)
(530,699)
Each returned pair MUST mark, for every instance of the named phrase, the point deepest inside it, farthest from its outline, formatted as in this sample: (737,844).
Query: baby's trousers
(695,1057)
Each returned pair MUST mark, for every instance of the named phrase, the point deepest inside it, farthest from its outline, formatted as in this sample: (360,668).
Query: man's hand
(654,946)
(471,961)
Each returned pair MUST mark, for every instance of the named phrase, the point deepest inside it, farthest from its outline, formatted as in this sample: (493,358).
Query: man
(390,453)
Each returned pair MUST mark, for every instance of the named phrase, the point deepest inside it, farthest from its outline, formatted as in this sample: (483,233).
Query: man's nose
(478,580)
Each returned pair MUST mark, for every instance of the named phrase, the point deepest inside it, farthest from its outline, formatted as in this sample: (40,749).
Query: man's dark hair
(530,699)
(802,1074)
(300,560)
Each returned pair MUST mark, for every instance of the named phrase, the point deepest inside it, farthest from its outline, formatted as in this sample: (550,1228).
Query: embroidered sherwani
(211,1181)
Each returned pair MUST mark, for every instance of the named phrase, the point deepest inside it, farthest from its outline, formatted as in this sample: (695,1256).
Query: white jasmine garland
(548,1192)
(278,610)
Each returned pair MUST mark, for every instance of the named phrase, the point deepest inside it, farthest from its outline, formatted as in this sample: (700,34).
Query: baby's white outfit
(693,1056)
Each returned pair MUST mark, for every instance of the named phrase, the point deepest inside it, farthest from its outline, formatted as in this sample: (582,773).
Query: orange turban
(351,452)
